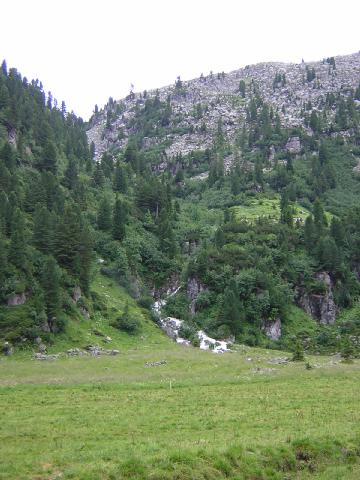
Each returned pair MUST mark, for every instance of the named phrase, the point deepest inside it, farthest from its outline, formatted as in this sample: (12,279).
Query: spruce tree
(119,220)
(48,160)
(51,286)
(85,256)
(43,229)
(120,179)
(18,245)
(104,217)
(71,174)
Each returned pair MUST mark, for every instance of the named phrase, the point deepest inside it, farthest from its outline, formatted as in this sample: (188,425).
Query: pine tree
(320,221)
(286,211)
(166,234)
(67,238)
(309,234)
(119,220)
(99,177)
(3,264)
(85,256)
(120,179)
(71,174)
(51,286)
(231,313)
(8,156)
(17,248)
(104,217)
(242,88)
(48,160)
(43,229)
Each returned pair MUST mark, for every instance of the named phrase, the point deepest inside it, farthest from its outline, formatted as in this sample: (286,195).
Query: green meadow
(199,416)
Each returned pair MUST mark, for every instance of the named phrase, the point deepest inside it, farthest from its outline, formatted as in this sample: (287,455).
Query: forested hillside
(258,223)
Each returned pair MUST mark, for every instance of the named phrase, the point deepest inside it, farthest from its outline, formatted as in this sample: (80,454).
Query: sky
(84,51)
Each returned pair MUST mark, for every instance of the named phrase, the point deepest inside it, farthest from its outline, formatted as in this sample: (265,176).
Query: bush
(145,301)
(298,355)
(128,323)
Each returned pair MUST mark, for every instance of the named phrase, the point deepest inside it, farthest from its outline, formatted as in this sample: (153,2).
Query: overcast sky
(85,51)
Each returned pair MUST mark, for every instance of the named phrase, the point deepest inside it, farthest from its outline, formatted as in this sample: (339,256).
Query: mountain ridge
(219,97)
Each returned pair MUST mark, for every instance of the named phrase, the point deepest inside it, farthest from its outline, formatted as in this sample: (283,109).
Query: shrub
(298,355)
(127,322)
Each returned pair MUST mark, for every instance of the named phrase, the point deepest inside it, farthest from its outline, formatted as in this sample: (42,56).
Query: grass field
(197,416)
(265,207)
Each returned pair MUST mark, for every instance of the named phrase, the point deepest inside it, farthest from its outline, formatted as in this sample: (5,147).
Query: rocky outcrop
(293,145)
(320,306)
(272,329)
(17,299)
(194,288)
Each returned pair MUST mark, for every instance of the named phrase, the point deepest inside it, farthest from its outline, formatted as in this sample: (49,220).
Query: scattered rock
(43,356)
(279,361)
(155,364)
(263,371)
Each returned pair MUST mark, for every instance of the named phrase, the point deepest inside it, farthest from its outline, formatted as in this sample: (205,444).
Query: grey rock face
(17,299)
(293,145)
(321,307)
(272,329)
(76,294)
(194,288)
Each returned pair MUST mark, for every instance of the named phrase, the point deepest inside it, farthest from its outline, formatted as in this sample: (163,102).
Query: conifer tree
(120,179)
(119,220)
(104,217)
(85,256)
(51,287)
(17,248)
(43,229)
(48,160)
(71,174)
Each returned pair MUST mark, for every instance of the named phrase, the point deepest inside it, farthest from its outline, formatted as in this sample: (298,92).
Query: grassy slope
(263,206)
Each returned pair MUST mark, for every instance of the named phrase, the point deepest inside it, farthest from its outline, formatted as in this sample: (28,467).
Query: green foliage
(127,322)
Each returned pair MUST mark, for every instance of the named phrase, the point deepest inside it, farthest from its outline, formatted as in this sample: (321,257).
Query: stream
(171,327)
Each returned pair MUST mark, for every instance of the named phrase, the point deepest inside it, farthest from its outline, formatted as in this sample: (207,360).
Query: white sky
(85,51)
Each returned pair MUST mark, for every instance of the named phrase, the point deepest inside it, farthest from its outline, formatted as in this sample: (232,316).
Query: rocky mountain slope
(196,106)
